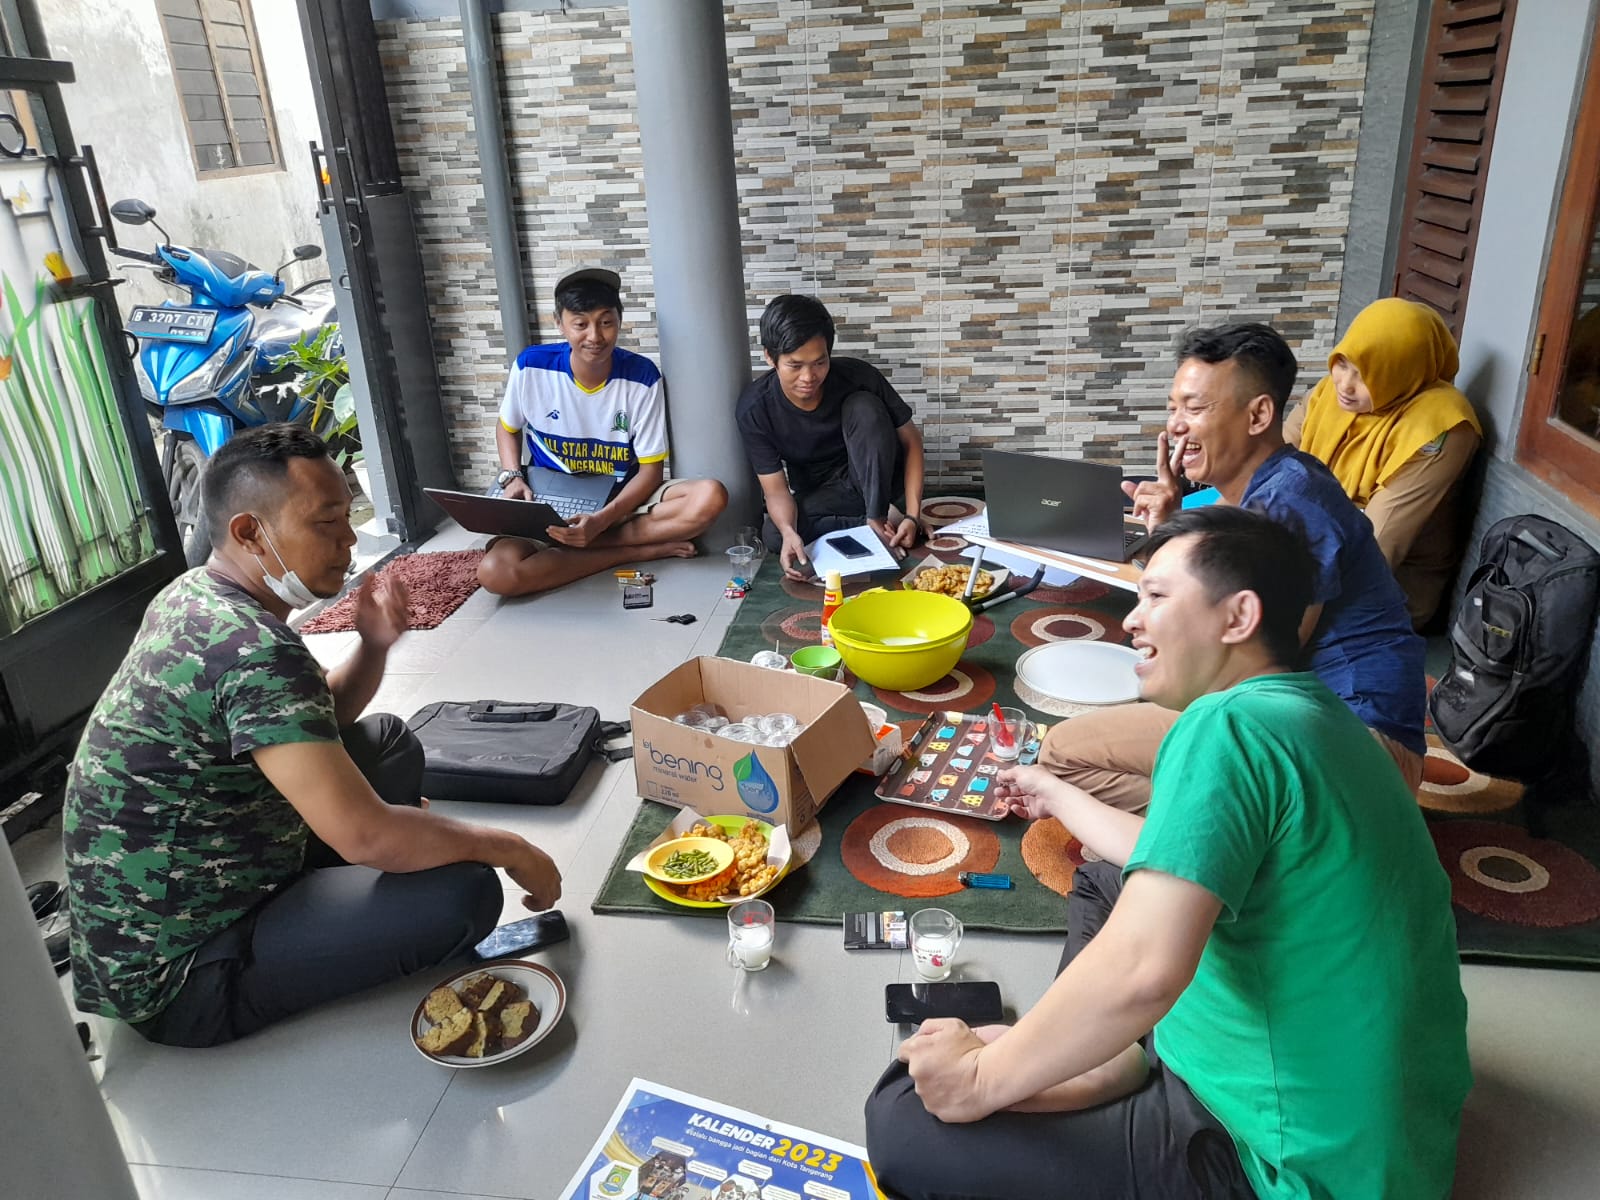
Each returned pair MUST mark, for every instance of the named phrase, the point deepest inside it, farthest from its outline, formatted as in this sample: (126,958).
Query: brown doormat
(439,583)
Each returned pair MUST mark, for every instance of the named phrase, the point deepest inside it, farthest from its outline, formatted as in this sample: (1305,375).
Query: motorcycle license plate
(172,324)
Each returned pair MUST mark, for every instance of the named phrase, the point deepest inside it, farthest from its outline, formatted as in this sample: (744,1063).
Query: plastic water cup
(770,659)
(715,724)
(935,937)
(751,926)
(740,732)
(694,719)
(779,722)
(740,557)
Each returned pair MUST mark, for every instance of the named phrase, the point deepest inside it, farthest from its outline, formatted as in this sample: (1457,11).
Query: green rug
(777,611)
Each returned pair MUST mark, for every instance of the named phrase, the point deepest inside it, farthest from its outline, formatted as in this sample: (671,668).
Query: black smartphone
(976,1003)
(807,569)
(847,545)
(521,937)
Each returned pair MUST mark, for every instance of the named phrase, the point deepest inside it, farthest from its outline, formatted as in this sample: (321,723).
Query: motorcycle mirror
(132,212)
(306,252)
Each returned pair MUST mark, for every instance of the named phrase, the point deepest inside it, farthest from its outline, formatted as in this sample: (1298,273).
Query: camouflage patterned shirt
(171,831)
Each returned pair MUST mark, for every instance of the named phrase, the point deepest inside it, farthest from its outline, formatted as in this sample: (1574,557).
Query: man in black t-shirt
(831,441)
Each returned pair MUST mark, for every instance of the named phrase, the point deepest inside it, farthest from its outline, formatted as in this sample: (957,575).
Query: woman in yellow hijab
(1398,435)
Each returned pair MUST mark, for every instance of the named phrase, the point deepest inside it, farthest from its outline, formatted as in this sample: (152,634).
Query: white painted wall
(1550,46)
(125,104)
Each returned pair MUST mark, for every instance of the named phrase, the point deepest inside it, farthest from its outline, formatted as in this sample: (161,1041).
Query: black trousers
(863,486)
(1158,1142)
(336,929)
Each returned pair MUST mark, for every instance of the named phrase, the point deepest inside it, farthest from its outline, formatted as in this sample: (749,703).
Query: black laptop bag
(510,753)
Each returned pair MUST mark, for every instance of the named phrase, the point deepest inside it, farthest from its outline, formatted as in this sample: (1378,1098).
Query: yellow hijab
(1407,360)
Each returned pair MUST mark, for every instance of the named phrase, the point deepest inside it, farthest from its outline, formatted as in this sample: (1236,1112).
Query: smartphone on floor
(972,1001)
(524,937)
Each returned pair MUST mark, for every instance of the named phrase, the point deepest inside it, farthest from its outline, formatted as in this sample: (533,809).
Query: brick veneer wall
(1011,208)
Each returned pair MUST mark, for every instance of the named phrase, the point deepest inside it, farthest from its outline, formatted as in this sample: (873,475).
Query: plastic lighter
(979,880)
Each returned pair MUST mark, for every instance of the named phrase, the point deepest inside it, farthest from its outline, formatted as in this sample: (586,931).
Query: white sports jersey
(612,429)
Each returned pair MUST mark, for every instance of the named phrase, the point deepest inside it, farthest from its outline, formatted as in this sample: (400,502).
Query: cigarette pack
(875,931)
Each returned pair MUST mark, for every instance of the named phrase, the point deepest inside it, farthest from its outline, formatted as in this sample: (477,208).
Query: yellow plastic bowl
(720,852)
(901,640)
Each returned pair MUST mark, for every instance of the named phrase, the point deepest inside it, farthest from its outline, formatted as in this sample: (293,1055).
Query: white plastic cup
(935,938)
(770,659)
(694,719)
(751,927)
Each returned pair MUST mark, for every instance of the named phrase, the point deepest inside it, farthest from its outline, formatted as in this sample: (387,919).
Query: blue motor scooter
(195,361)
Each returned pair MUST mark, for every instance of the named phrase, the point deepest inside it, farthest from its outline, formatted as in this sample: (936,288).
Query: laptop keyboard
(570,506)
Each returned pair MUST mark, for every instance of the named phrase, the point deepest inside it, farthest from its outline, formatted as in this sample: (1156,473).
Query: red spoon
(1002,734)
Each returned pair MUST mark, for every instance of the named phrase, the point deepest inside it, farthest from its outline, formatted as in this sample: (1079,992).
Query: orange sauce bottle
(832,597)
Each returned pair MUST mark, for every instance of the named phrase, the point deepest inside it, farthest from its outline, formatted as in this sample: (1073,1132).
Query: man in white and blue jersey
(582,405)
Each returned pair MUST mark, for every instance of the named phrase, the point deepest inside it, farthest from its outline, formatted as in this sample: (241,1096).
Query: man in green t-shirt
(1260,993)
(239,846)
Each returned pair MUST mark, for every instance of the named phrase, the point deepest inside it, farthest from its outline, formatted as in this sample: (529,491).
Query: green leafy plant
(325,382)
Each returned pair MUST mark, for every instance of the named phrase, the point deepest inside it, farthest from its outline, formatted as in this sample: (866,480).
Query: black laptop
(557,496)
(1059,504)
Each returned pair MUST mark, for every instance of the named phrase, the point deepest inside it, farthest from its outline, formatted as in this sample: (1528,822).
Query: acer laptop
(557,496)
(1060,504)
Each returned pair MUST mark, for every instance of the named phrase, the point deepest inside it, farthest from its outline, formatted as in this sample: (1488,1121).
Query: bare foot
(665,550)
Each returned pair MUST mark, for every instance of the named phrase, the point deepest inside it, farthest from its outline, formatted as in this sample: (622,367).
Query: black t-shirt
(810,445)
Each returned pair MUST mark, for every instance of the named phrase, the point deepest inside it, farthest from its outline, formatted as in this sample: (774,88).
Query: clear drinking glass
(935,937)
(1021,730)
(751,925)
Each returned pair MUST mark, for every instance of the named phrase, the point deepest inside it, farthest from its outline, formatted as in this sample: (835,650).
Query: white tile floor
(336,1105)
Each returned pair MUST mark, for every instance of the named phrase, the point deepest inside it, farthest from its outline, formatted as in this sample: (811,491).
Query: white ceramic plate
(1081,672)
(544,988)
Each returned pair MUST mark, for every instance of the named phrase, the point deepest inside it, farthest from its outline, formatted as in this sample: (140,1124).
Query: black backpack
(1518,648)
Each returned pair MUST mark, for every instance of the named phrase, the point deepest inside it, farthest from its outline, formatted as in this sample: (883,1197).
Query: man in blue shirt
(1225,428)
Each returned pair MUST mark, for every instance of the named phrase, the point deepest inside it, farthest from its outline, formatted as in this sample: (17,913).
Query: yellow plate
(720,852)
(732,825)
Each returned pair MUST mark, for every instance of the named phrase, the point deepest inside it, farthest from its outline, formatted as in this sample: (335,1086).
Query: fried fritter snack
(750,872)
(952,580)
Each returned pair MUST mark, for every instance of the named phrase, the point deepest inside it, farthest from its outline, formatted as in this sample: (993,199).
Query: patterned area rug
(439,583)
(1524,866)
(874,855)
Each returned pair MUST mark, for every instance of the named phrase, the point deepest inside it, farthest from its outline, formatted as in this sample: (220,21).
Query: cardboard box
(785,785)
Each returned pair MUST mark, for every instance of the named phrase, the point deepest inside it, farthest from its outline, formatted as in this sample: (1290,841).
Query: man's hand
(580,531)
(536,874)
(905,534)
(1156,500)
(791,554)
(1030,792)
(517,489)
(382,610)
(943,1059)
(890,537)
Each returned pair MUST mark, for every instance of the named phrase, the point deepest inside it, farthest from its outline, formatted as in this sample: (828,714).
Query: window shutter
(1462,70)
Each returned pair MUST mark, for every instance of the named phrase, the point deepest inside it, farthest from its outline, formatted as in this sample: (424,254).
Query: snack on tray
(952,580)
(484,1016)
(750,872)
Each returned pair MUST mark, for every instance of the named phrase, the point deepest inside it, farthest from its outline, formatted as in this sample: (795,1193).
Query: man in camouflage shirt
(239,846)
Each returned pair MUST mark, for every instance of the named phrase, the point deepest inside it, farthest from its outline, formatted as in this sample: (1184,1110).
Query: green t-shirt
(171,831)
(1325,1027)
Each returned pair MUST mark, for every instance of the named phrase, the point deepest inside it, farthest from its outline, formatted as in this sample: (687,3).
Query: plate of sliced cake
(488,1013)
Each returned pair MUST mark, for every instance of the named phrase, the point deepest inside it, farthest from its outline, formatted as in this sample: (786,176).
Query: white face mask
(289,589)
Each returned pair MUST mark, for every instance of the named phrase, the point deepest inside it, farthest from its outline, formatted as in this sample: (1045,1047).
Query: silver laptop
(1059,504)
(557,497)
